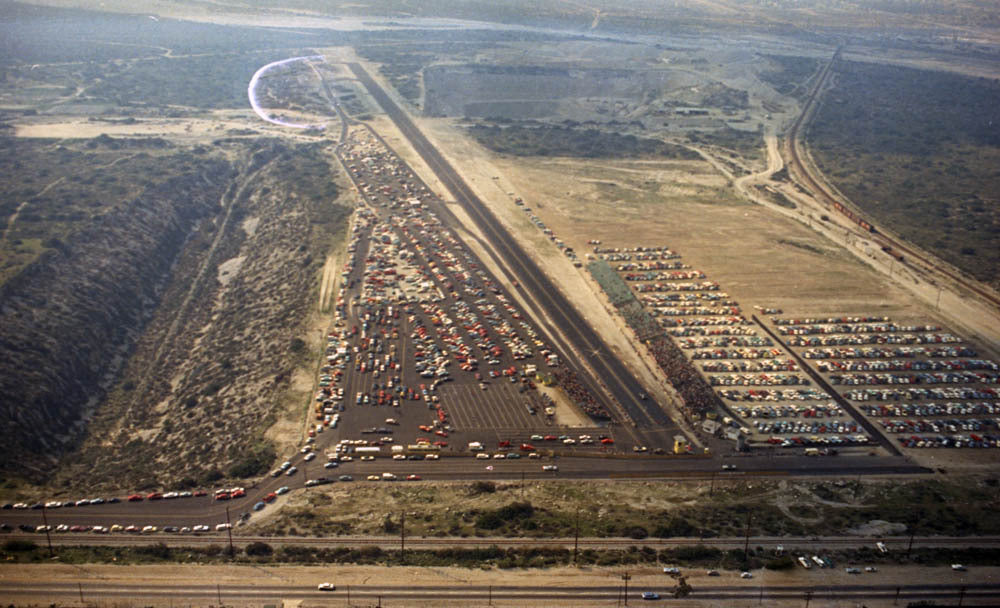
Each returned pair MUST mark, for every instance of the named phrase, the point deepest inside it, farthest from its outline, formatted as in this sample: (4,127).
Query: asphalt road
(611,371)
(105,590)
(204,510)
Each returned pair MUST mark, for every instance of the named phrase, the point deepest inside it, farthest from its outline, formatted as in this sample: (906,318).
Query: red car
(154,496)
(441,444)
(527,447)
(270,497)
(134,498)
(201,493)
(237,494)
(503,444)
(607,441)
(413,477)
(222,496)
(550,438)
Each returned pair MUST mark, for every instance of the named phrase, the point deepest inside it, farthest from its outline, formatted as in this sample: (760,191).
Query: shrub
(258,548)
(19,545)
(482,487)
(255,461)
(784,562)
(637,532)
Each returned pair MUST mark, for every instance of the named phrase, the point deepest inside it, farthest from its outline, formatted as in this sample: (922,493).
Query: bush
(258,548)
(784,562)
(637,532)
(255,461)
(513,513)
(482,487)
(19,545)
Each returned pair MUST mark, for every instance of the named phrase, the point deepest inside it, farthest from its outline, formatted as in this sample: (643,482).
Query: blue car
(259,506)
(650,595)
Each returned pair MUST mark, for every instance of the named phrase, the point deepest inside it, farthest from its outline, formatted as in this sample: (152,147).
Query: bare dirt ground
(305,578)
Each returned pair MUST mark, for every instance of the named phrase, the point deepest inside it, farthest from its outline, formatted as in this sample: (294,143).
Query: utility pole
(576,535)
(746,541)
(961,595)
(218,591)
(711,488)
(909,547)
(491,595)
(80,586)
(809,596)
(402,538)
(48,535)
(626,577)
(229,528)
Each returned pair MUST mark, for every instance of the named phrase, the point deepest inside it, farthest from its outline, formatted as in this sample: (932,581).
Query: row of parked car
(923,355)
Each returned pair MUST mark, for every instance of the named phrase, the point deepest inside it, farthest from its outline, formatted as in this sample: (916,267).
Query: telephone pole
(626,577)
(48,535)
(746,543)
(576,535)
(402,538)
(229,528)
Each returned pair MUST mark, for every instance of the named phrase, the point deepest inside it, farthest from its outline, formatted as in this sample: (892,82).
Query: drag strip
(611,371)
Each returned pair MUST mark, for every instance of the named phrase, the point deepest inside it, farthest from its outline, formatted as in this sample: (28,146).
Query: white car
(550,467)
(310,456)
(746,575)
(223,526)
(326,587)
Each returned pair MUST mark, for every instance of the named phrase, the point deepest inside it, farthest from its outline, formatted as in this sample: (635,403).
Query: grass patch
(547,140)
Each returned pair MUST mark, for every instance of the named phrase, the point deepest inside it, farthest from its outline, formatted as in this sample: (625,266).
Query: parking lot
(920,384)
(767,397)
(428,353)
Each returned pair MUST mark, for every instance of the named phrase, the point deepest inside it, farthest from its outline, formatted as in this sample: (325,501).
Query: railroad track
(824,195)
(812,544)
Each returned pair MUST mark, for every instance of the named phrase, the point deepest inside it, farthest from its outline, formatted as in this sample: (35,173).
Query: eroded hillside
(68,317)
(215,363)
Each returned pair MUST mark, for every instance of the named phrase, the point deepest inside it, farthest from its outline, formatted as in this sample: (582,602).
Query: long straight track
(622,384)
